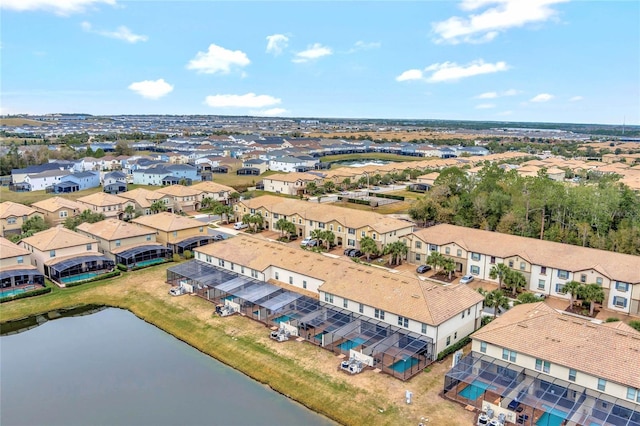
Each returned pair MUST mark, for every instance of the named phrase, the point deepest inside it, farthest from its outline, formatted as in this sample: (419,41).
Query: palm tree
(129,211)
(346,183)
(526,298)
(573,289)
(317,234)
(158,206)
(435,259)
(495,299)
(515,280)
(281,225)
(329,186)
(312,188)
(448,265)
(328,237)
(499,271)
(368,246)
(397,250)
(223,210)
(247,219)
(592,293)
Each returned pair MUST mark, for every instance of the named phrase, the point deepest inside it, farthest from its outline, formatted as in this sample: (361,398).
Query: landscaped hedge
(26,294)
(98,278)
(135,268)
(122,267)
(391,197)
(358,201)
(453,348)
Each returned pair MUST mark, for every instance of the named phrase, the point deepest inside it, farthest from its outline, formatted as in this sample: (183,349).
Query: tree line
(603,215)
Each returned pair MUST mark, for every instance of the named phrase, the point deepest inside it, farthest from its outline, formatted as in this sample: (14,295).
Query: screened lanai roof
(407,343)
(256,291)
(201,272)
(193,240)
(64,264)
(231,285)
(545,393)
(281,300)
(18,273)
(368,331)
(133,251)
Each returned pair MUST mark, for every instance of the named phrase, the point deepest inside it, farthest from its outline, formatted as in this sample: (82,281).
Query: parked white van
(240,225)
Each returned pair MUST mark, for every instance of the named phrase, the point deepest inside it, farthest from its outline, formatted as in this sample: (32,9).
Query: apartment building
(547,266)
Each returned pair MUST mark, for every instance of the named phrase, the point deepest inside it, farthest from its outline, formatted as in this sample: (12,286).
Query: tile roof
(403,295)
(167,222)
(56,203)
(536,329)
(178,191)
(101,199)
(114,229)
(57,238)
(9,208)
(9,249)
(293,177)
(208,186)
(349,218)
(143,197)
(618,266)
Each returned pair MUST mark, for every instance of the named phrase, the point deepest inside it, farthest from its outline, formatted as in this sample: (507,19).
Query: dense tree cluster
(603,215)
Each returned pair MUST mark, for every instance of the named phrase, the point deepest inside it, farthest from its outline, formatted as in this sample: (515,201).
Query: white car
(310,242)
(466,279)
(240,225)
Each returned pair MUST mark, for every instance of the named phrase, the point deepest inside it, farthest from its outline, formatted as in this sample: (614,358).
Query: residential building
(16,270)
(546,265)
(107,204)
(13,216)
(290,183)
(125,243)
(178,233)
(535,365)
(66,256)
(184,199)
(166,174)
(57,209)
(286,164)
(213,190)
(143,199)
(43,180)
(256,163)
(114,182)
(431,316)
(77,181)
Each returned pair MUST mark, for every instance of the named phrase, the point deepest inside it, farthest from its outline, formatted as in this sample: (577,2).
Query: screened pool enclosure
(144,255)
(78,268)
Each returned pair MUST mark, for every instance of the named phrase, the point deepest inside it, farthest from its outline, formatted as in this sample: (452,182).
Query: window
(330,227)
(328,297)
(148,237)
(52,253)
(599,281)
(563,274)
(523,266)
(20,259)
(572,374)
(232,266)
(448,340)
(200,229)
(304,284)
(463,314)
(511,264)
(623,287)
(345,303)
(544,366)
(352,231)
(492,260)
(418,245)
(290,280)
(602,384)
(543,270)
(311,223)
(483,347)
(339,228)
(208,258)
(241,269)
(299,221)
(475,256)
(424,329)
(433,247)
(619,302)
(583,278)
(361,308)
(403,322)
(89,247)
(363,234)
(321,225)
(508,355)
(447,250)
(118,243)
(221,262)
(541,284)
(175,233)
(254,274)
(459,253)
(277,275)
(475,270)
(559,287)
(418,257)
(455,335)
(276,216)
(373,236)
(351,243)
(63,213)
(11,221)
(379,314)
(633,394)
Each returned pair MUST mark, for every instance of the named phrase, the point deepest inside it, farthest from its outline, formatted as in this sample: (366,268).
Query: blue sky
(499,60)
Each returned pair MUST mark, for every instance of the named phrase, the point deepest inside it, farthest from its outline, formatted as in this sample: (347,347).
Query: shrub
(98,278)
(453,348)
(188,254)
(635,324)
(176,257)
(485,320)
(612,319)
(24,295)
(122,267)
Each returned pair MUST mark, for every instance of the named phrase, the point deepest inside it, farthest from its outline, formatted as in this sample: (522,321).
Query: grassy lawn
(298,370)
(31,197)
(394,208)
(370,156)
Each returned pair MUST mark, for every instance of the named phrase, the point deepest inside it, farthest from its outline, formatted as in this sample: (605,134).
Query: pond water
(111,368)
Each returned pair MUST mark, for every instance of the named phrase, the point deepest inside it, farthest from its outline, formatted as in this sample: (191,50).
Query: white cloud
(314,51)
(249,100)
(270,112)
(450,71)
(151,89)
(494,95)
(121,33)
(500,16)
(485,106)
(59,7)
(576,99)
(276,43)
(542,97)
(218,60)
(363,45)
(410,75)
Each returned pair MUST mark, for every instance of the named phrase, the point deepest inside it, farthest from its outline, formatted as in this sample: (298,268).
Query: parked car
(355,253)
(423,268)
(466,279)
(218,237)
(240,225)
(309,242)
(347,251)
(375,188)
